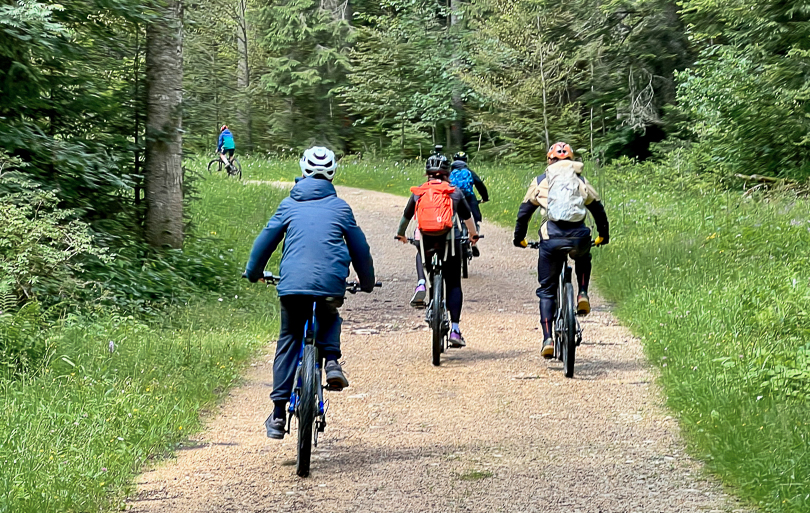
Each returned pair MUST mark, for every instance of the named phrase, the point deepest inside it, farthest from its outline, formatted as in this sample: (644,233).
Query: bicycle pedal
(320,425)
(331,388)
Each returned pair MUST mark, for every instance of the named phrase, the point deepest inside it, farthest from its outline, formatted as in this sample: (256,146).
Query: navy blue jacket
(322,238)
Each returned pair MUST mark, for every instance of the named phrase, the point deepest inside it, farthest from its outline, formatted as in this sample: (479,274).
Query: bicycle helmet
(460,156)
(560,151)
(318,161)
(437,165)
(223,128)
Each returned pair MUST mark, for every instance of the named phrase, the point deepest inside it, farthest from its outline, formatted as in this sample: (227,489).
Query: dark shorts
(229,153)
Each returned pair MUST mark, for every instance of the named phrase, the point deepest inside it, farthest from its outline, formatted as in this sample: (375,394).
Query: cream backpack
(565,200)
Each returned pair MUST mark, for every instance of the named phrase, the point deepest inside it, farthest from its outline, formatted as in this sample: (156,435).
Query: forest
(110,229)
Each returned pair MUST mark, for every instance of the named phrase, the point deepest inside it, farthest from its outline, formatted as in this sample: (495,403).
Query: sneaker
(275,427)
(335,379)
(456,340)
(583,304)
(418,299)
(548,348)
(475,251)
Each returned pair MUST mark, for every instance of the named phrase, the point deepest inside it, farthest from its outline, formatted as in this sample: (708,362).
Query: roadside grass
(715,283)
(74,432)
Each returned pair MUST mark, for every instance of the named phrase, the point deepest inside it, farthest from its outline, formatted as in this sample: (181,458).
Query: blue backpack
(462,179)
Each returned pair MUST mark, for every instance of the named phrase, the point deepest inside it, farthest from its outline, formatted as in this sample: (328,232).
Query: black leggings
(549,266)
(451,270)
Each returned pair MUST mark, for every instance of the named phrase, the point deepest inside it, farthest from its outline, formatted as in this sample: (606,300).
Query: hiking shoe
(583,304)
(275,427)
(475,251)
(456,340)
(419,294)
(335,379)
(548,348)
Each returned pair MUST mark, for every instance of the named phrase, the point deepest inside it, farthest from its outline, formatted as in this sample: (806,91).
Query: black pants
(549,265)
(451,271)
(295,310)
(476,210)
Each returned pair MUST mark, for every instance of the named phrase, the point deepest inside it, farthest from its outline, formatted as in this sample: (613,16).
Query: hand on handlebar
(520,243)
(403,239)
(601,241)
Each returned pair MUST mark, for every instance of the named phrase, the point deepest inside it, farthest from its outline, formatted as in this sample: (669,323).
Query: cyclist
(225,144)
(321,238)
(544,191)
(464,178)
(438,171)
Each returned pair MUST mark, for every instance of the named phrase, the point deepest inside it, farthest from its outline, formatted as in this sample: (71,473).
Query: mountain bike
(436,314)
(234,168)
(567,331)
(306,402)
(466,250)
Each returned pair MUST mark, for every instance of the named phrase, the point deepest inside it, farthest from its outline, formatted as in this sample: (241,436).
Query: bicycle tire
(307,407)
(235,169)
(215,161)
(436,320)
(569,331)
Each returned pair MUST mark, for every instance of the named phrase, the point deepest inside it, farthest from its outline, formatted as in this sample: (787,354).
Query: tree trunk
(458,126)
(164,167)
(243,72)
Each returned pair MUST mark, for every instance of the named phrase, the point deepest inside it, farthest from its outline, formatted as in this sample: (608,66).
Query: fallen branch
(759,178)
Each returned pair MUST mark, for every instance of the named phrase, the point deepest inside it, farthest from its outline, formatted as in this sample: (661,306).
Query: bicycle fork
(295,398)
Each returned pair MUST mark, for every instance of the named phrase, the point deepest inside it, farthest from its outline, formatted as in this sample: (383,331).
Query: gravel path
(495,428)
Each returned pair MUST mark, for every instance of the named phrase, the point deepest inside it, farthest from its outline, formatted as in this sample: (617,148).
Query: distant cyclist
(225,145)
(563,194)
(464,178)
(443,202)
(321,238)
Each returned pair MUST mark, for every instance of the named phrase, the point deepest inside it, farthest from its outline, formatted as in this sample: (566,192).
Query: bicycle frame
(295,398)
(565,277)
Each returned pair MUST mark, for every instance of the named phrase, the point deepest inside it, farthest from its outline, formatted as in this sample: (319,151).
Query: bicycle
(234,168)
(567,331)
(306,402)
(436,314)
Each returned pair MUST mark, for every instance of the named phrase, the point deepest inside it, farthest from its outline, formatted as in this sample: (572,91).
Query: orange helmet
(560,151)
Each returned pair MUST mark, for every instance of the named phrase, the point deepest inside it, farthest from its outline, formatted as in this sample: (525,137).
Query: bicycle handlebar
(535,244)
(351,286)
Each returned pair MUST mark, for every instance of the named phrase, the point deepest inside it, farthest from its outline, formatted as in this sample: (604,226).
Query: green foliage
(747,97)
(403,77)
(38,240)
(23,337)
(306,43)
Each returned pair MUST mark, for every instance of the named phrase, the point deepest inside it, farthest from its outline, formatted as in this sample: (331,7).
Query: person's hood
(578,166)
(458,164)
(308,189)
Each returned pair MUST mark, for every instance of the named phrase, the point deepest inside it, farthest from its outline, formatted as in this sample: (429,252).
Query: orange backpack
(434,207)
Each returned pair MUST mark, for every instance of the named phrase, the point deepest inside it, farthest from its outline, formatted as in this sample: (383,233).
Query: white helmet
(318,161)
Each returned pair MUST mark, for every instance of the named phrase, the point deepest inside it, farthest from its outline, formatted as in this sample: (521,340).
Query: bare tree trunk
(543,86)
(164,167)
(458,125)
(243,72)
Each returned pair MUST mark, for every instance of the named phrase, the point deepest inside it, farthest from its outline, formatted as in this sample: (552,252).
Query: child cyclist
(321,238)
(435,204)
(225,144)
(563,194)
(464,178)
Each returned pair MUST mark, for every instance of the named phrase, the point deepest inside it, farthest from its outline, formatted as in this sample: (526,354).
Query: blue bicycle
(306,402)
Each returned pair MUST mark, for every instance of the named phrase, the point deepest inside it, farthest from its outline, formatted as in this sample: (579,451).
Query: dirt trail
(495,428)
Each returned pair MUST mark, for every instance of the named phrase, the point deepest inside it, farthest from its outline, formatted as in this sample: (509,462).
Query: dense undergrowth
(715,282)
(116,384)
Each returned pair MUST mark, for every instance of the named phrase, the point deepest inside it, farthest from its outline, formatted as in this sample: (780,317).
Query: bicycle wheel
(436,319)
(307,407)
(235,169)
(211,164)
(569,345)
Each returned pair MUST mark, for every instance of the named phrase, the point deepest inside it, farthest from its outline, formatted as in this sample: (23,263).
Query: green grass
(74,433)
(716,285)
